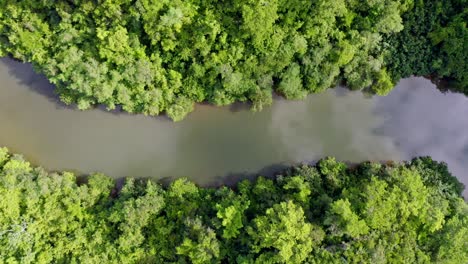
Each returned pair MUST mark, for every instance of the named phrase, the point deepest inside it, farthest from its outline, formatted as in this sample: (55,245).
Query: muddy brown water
(220,145)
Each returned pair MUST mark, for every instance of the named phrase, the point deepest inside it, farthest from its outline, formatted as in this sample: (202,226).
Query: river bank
(216,143)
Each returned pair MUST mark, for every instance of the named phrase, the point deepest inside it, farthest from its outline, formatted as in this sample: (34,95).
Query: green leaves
(232,217)
(451,241)
(200,244)
(384,83)
(181,107)
(259,17)
(433,42)
(291,83)
(156,57)
(3,156)
(328,213)
(283,228)
(343,221)
(453,40)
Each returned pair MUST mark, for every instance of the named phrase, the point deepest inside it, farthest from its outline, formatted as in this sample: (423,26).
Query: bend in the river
(215,146)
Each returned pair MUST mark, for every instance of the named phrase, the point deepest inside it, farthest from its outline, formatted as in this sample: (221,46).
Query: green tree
(343,221)
(200,245)
(409,212)
(283,228)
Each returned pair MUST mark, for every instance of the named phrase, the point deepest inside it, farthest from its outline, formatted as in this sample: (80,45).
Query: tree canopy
(409,212)
(434,42)
(162,56)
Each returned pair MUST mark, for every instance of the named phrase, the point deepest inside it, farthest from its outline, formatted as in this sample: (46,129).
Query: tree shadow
(274,170)
(240,107)
(231,179)
(26,76)
(118,111)
(271,171)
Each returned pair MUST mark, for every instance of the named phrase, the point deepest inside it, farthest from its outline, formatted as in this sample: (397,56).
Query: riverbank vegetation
(328,213)
(433,43)
(162,56)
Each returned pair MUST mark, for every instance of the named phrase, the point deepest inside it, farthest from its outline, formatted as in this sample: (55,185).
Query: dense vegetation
(434,42)
(329,213)
(154,56)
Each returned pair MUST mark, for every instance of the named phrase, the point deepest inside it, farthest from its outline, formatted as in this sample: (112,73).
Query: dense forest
(408,212)
(161,56)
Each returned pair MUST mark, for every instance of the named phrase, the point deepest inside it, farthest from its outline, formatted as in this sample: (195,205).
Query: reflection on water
(423,121)
(220,145)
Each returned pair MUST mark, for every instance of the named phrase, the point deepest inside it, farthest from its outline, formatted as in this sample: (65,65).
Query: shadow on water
(118,111)
(414,119)
(247,106)
(26,76)
(270,171)
(233,178)
(446,85)
(230,179)
(238,107)
(38,83)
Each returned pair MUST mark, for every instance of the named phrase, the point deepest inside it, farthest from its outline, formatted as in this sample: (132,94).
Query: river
(220,145)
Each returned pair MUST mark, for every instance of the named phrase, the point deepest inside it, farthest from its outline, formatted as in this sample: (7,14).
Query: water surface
(215,145)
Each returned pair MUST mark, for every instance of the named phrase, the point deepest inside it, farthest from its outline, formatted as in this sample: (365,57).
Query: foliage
(434,42)
(410,212)
(162,56)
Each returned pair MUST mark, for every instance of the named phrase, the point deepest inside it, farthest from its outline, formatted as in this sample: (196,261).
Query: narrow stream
(215,145)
